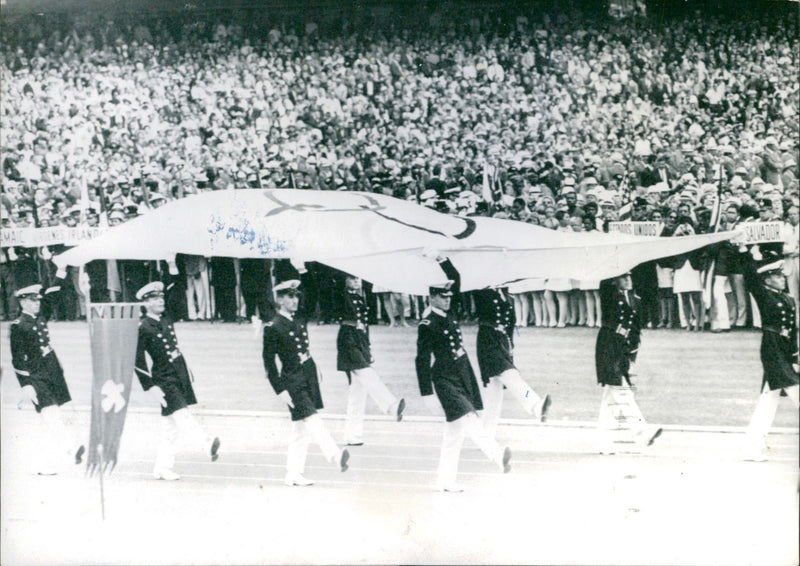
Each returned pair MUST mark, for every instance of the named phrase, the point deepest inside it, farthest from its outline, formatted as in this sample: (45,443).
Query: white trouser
(453,439)
(538,314)
(590,308)
(521,308)
(57,442)
(719,304)
(493,397)
(175,427)
(550,307)
(198,286)
(563,308)
(365,382)
(303,432)
(764,414)
(791,269)
(756,312)
(739,316)
(620,421)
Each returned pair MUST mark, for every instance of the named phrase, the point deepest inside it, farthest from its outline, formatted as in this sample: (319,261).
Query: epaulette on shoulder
(424,322)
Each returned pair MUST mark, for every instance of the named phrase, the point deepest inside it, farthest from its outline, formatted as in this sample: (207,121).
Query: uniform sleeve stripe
(147,373)
(22,371)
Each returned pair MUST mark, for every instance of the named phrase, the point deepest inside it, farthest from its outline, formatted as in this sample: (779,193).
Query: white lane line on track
(279,480)
(621,458)
(359,452)
(280,415)
(360,481)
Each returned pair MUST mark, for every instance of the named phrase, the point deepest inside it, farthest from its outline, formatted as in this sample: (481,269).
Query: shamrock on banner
(114,329)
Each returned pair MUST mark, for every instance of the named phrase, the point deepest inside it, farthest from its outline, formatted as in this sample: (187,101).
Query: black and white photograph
(399,282)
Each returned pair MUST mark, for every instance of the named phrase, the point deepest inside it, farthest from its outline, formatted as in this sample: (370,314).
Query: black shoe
(215,449)
(343,461)
(506,460)
(656,434)
(79,454)
(545,406)
(401,406)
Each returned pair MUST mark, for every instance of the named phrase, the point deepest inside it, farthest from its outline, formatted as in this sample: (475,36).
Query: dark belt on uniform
(499,327)
(785,332)
(619,329)
(352,324)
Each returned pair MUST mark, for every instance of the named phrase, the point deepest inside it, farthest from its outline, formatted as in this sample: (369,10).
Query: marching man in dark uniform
(169,377)
(779,355)
(297,385)
(444,368)
(495,346)
(39,372)
(355,359)
(617,346)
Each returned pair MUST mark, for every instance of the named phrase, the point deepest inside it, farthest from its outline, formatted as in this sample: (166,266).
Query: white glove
(44,253)
(286,398)
(173,267)
(83,283)
(432,403)
(61,273)
(29,394)
(299,264)
(435,255)
(12,255)
(796,368)
(158,394)
(756,253)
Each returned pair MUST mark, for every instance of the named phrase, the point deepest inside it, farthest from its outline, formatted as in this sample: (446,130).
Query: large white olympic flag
(381,239)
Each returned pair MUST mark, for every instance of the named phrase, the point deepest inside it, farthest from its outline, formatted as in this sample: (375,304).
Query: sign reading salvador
(761,232)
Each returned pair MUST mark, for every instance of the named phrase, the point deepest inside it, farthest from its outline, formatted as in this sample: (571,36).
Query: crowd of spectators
(551,119)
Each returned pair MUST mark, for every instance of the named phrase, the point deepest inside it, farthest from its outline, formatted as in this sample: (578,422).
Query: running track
(688,500)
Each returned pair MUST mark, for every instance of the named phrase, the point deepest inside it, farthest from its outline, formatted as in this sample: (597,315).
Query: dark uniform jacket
(352,342)
(779,331)
(34,360)
(450,374)
(721,254)
(288,340)
(619,336)
(168,369)
(496,320)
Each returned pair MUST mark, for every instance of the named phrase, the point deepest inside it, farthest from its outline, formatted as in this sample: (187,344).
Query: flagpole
(716,217)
